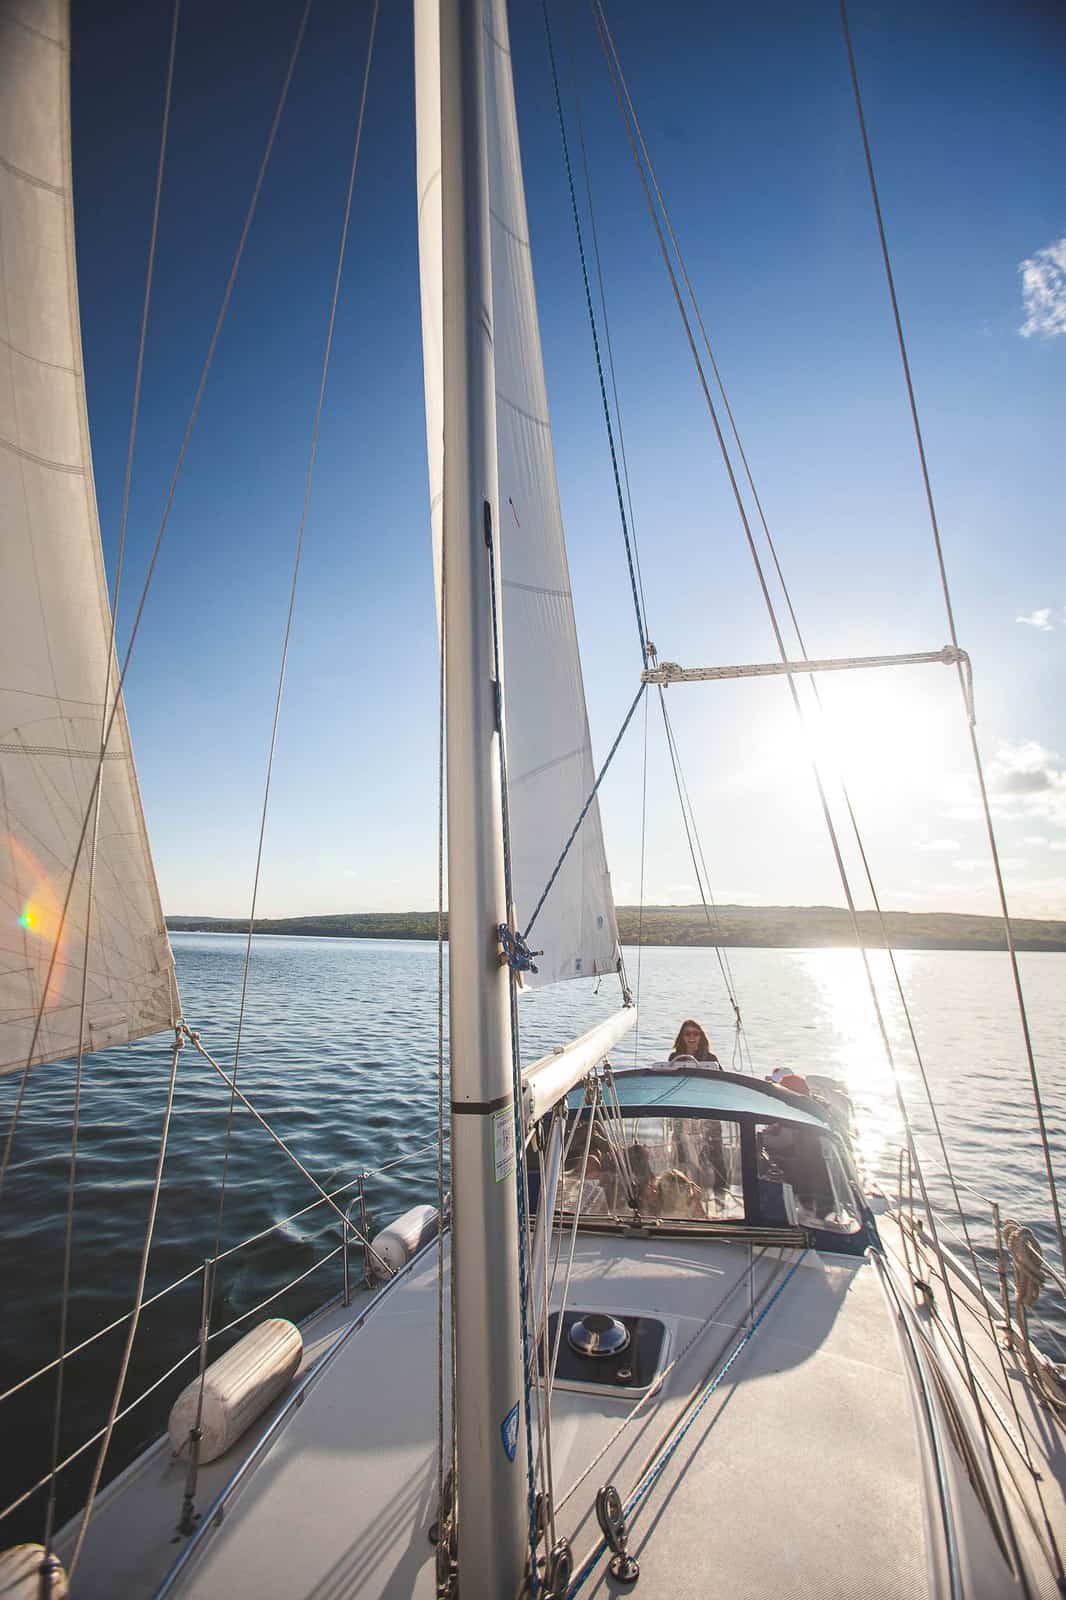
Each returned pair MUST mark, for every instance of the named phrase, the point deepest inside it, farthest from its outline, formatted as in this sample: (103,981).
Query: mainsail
(57,665)
(549,752)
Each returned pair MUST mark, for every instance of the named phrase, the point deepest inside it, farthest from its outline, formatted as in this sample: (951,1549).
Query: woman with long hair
(693,1042)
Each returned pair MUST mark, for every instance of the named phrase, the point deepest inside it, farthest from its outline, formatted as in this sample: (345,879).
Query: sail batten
(549,756)
(58,663)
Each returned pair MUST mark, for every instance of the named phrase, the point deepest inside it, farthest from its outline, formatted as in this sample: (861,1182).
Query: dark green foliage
(783,927)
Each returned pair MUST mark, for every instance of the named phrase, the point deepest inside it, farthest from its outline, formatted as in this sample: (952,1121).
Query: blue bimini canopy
(695,1091)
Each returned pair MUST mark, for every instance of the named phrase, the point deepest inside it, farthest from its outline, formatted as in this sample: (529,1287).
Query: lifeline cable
(135,1317)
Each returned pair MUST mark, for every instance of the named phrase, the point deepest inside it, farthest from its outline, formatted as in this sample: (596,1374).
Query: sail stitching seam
(40,361)
(74,470)
(28,177)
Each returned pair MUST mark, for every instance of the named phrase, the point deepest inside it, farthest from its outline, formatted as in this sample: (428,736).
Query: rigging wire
(95,804)
(442,1533)
(606,328)
(1034,1076)
(714,1318)
(649,649)
(135,1317)
(279,694)
(153,561)
(643,863)
(629,120)
(787,596)
(694,844)
(637,602)
(584,811)
(327,350)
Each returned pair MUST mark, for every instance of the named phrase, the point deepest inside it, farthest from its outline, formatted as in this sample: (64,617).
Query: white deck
(801,1475)
(1028,1437)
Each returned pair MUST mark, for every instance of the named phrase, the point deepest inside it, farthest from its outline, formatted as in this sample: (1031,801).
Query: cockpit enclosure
(694,1148)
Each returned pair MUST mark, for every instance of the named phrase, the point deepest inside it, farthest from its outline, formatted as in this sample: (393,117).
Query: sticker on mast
(509,1432)
(503,1143)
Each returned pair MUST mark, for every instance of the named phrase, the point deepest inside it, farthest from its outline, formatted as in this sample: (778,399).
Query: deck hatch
(633,1367)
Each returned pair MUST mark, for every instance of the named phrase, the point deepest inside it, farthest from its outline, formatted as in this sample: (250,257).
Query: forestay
(57,662)
(549,753)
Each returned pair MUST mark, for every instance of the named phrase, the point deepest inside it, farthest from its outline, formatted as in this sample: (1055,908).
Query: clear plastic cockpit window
(802,1176)
(673,1169)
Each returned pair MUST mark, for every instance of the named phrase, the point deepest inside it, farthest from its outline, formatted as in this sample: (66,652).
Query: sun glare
(40,915)
(847,1012)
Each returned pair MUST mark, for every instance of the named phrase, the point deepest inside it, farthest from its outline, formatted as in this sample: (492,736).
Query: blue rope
(655,1472)
(584,812)
(595,342)
(516,1074)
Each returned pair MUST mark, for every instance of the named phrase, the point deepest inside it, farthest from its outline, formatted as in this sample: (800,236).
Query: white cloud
(1038,619)
(1007,863)
(941,844)
(1026,784)
(1025,769)
(1044,291)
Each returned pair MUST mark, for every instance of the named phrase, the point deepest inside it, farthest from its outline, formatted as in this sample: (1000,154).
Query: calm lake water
(339,1054)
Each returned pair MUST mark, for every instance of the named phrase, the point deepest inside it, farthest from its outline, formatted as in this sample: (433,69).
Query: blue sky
(749,117)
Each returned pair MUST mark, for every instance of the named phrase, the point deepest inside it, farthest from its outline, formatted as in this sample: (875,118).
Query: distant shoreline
(732,927)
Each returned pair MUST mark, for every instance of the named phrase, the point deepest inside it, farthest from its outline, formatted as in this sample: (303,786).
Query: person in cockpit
(692,1041)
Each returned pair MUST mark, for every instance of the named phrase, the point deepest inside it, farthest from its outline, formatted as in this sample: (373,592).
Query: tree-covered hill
(788,927)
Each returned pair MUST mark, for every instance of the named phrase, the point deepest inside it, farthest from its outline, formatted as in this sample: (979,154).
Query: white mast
(491,1473)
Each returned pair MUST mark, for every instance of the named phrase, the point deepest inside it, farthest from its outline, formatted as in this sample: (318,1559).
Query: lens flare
(40,916)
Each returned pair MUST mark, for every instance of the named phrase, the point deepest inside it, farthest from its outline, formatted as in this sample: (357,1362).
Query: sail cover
(549,753)
(55,655)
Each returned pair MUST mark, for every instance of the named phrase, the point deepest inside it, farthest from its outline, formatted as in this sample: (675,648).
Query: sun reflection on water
(848,1031)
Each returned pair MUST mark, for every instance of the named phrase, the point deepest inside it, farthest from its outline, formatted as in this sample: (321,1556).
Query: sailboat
(661,1335)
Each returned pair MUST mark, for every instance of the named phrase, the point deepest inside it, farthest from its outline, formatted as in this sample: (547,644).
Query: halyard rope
(442,1383)
(521,1193)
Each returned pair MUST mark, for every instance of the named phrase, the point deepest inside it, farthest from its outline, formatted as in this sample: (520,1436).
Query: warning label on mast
(503,1143)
